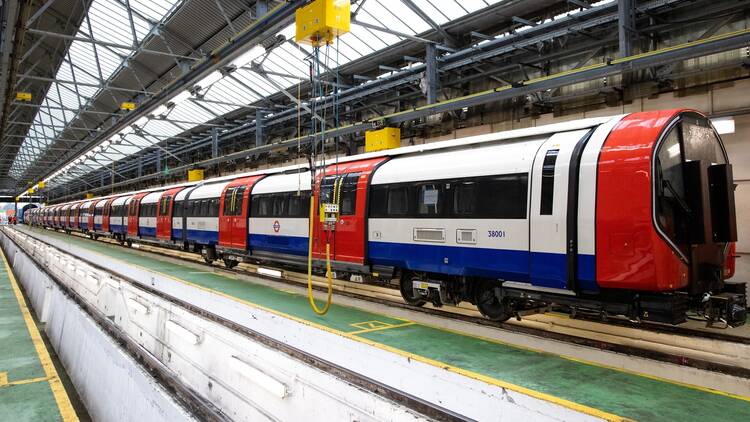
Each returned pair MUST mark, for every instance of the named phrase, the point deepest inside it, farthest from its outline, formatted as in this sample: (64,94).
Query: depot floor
(32,388)
(608,392)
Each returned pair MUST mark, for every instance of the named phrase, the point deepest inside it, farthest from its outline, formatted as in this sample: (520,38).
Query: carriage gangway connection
(446,373)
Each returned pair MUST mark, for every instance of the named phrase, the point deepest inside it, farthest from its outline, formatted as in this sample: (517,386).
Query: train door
(74,215)
(234,212)
(92,212)
(164,214)
(550,264)
(106,213)
(133,209)
(346,186)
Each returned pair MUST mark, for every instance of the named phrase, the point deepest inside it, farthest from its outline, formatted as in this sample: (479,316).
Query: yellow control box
(89,196)
(386,138)
(23,96)
(41,185)
(127,106)
(321,21)
(195,175)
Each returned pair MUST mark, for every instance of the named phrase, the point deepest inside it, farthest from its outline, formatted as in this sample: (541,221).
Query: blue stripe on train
(118,228)
(204,237)
(147,231)
(550,269)
(293,245)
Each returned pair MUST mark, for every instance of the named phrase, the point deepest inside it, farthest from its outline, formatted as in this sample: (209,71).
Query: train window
(203,208)
(299,204)
(233,200)
(213,208)
(240,203)
(429,200)
(548,182)
(228,201)
(177,208)
(280,203)
(465,198)
(700,141)
(164,205)
(503,196)
(349,194)
(671,208)
(398,200)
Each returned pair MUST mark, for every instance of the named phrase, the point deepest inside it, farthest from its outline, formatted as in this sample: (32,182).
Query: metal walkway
(30,387)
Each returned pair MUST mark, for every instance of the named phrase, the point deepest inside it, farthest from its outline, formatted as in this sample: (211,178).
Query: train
(630,215)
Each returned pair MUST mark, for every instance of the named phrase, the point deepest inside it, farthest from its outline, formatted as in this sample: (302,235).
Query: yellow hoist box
(127,106)
(322,20)
(195,175)
(89,196)
(41,185)
(385,138)
(23,96)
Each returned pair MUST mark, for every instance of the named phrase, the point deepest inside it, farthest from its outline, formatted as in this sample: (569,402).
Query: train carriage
(631,215)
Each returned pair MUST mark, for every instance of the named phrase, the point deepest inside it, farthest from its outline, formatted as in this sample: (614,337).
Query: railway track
(715,351)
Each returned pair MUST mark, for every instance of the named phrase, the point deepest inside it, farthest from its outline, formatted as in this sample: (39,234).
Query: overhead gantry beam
(672,54)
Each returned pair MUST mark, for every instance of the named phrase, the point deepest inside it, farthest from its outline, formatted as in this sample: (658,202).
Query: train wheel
(129,243)
(209,255)
(230,263)
(407,289)
(488,303)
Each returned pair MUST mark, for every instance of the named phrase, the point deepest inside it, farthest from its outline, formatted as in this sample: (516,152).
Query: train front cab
(673,164)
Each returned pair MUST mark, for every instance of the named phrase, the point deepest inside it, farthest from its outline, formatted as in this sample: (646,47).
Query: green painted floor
(25,393)
(608,390)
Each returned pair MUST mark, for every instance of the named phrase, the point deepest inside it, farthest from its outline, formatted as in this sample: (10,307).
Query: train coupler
(727,308)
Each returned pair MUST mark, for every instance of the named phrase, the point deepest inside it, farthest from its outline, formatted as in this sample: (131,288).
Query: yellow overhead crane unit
(321,21)
(127,106)
(23,96)
(385,138)
(195,175)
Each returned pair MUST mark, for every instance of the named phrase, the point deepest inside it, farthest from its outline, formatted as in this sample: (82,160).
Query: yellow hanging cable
(329,274)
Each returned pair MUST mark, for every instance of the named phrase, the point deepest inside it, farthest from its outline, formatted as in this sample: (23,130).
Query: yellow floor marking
(3,378)
(22,382)
(370,324)
(380,328)
(67,412)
